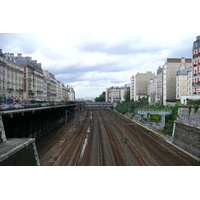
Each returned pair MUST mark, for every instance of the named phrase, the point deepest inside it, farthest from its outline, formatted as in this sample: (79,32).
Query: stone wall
(187,130)
(189,115)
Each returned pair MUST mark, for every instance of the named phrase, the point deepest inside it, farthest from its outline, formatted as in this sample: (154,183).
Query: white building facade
(11,78)
(139,85)
(116,94)
(152,92)
(22,78)
(196,67)
(170,70)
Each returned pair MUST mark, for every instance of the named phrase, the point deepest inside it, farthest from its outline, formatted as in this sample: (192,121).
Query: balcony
(31,91)
(195,55)
(194,74)
(39,91)
(196,83)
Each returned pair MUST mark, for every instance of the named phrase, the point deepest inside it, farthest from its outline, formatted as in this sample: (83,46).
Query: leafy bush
(155,118)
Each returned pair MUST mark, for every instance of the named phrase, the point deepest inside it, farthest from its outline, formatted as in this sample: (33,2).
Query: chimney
(19,55)
(34,61)
(198,37)
(1,51)
(12,54)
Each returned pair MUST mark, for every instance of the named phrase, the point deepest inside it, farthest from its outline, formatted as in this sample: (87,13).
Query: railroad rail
(105,138)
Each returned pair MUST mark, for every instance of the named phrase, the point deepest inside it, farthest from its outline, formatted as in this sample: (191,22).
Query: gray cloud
(90,62)
(124,47)
(19,42)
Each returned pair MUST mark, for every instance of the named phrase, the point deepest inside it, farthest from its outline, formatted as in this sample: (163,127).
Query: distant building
(22,78)
(170,69)
(53,86)
(71,93)
(116,94)
(159,89)
(139,85)
(182,82)
(152,92)
(47,83)
(89,99)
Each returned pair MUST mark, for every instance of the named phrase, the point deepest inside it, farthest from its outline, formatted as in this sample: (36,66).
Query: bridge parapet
(99,104)
(159,112)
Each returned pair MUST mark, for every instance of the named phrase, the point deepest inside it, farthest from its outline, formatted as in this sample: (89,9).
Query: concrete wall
(2,131)
(19,152)
(187,130)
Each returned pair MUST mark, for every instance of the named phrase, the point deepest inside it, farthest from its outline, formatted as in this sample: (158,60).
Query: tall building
(71,93)
(139,85)
(11,78)
(22,78)
(33,77)
(182,82)
(53,85)
(152,92)
(159,89)
(170,69)
(47,83)
(196,67)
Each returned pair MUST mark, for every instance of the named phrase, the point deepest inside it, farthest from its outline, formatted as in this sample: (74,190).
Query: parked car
(7,107)
(19,106)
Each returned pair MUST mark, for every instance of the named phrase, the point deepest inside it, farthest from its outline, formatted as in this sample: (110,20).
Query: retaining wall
(187,130)
(19,152)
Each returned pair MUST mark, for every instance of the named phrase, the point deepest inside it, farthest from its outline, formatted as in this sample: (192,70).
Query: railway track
(105,138)
(95,153)
(71,151)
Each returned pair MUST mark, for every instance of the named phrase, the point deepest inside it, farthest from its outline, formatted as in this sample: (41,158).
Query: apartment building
(196,66)
(22,78)
(183,82)
(47,83)
(33,77)
(11,78)
(116,94)
(159,88)
(71,93)
(152,92)
(54,90)
(65,94)
(170,69)
(139,85)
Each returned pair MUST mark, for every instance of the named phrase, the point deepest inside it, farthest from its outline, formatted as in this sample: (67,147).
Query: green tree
(127,96)
(101,98)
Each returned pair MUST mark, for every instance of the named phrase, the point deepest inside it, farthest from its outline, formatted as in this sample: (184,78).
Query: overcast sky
(93,45)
